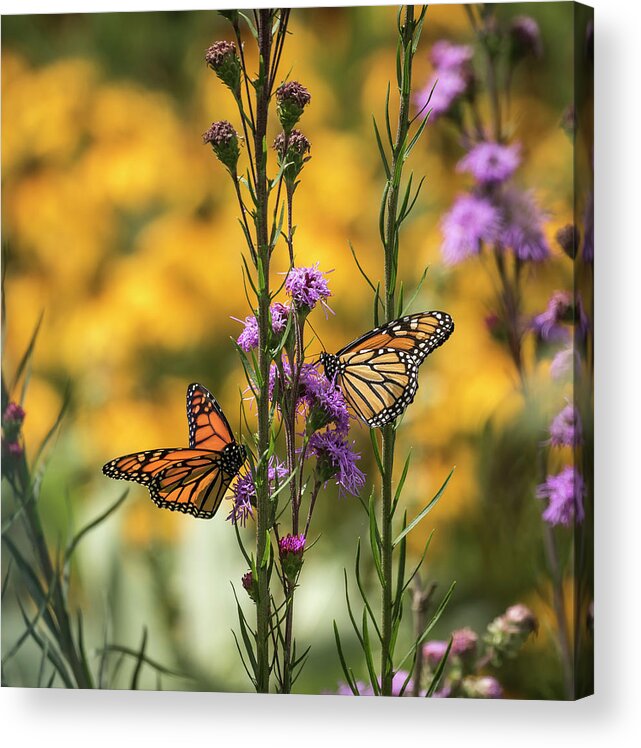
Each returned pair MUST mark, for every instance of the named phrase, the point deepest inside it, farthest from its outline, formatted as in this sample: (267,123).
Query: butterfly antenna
(317,336)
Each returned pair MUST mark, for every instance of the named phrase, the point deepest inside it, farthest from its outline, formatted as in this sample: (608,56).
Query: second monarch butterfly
(191,479)
(378,372)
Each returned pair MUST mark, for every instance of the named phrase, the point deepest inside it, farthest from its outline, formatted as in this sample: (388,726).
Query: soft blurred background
(121,227)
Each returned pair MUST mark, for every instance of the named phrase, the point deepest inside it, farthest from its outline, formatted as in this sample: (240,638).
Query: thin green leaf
(128,651)
(417,290)
(438,673)
(401,482)
(139,661)
(425,511)
(349,677)
(361,589)
(375,449)
(94,523)
(369,661)
(381,150)
(358,265)
(26,356)
(375,541)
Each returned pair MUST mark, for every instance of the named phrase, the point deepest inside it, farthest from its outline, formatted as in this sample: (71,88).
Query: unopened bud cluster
(224,141)
(223,60)
(507,633)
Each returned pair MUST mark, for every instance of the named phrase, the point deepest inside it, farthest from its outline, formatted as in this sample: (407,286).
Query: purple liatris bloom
(325,402)
(562,363)
(565,429)
(464,643)
(491,163)
(306,287)
(441,91)
(548,325)
(12,420)
(13,413)
(291,549)
(521,618)
(445,55)
(522,226)
(248,338)
(244,492)
(336,458)
(470,221)
(433,652)
(564,493)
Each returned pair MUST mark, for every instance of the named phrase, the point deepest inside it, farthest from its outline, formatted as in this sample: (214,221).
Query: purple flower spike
(562,363)
(291,548)
(564,493)
(248,338)
(548,325)
(445,55)
(433,652)
(325,402)
(565,429)
(464,642)
(443,88)
(482,687)
(244,492)
(470,221)
(491,163)
(522,226)
(335,458)
(306,287)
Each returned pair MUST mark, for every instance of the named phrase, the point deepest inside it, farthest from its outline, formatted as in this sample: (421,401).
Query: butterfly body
(378,372)
(193,479)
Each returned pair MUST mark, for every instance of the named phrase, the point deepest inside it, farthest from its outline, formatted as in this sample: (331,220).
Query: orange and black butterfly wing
(208,427)
(378,372)
(185,480)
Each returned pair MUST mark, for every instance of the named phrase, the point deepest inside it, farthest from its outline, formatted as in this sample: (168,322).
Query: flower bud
(250,585)
(568,238)
(464,643)
(291,548)
(12,420)
(223,60)
(525,38)
(291,98)
(224,141)
(292,149)
(433,652)
(507,633)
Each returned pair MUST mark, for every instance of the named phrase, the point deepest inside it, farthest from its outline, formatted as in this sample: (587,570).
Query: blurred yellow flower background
(121,228)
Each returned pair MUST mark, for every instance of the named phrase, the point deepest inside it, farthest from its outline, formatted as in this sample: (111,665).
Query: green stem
(388,432)
(264,357)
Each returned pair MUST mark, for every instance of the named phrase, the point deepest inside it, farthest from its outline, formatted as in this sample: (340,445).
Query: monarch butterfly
(190,479)
(378,372)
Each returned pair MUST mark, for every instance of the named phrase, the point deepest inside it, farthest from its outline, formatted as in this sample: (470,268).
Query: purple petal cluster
(284,380)
(562,363)
(450,80)
(470,221)
(244,492)
(549,324)
(307,286)
(565,429)
(464,642)
(294,544)
(248,338)
(521,228)
(433,652)
(526,37)
(325,402)
(13,413)
(491,163)
(482,687)
(337,459)
(564,493)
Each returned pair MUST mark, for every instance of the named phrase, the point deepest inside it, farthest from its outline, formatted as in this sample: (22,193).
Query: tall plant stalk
(391,247)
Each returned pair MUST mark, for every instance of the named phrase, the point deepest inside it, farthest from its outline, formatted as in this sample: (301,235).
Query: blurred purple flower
(336,458)
(13,413)
(244,492)
(307,286)
(464,642)
(441,91)
(12,448)
(345,690)
(325,402)
(562,363)
(284,380)
(248,338)
(491,163)
(522,226)
(548,325)
(564,493)
(433,652)
(470,221)
(565,429)
(446,55)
